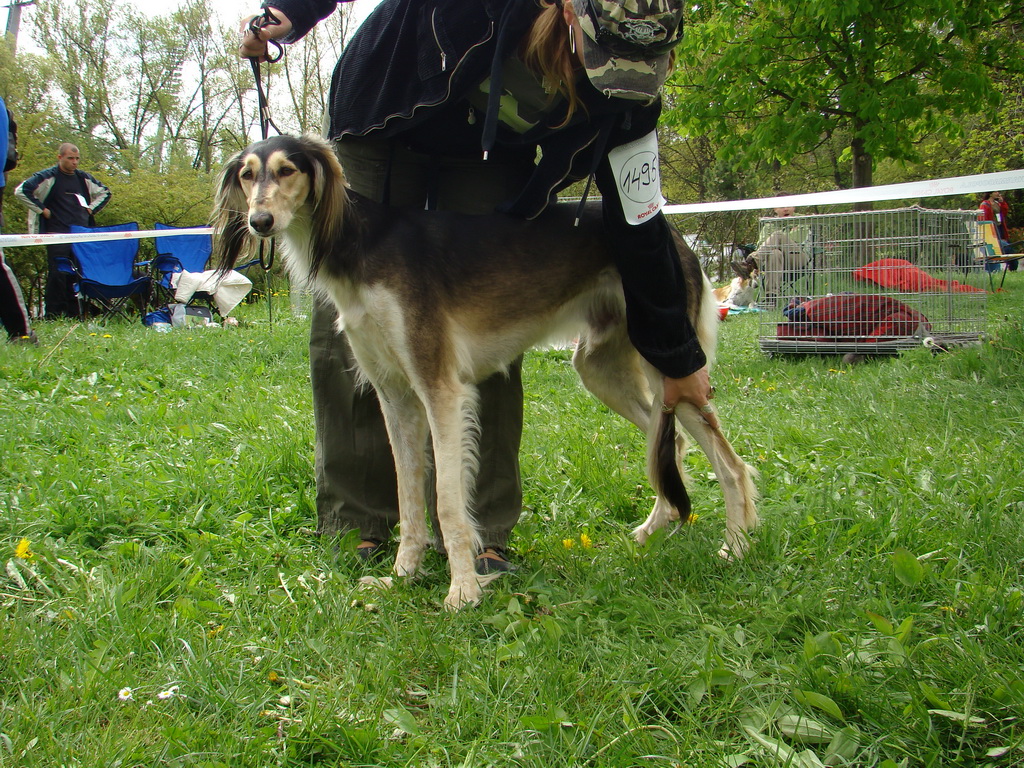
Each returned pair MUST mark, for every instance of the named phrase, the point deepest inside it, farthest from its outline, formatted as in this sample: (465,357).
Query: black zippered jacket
(411,60)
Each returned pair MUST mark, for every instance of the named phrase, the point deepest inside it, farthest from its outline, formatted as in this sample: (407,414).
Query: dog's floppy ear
(745,268)
(230,223)
(329,198)
(742,269)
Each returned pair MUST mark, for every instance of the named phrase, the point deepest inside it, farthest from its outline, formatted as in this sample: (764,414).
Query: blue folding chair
(104,272)
(180,253)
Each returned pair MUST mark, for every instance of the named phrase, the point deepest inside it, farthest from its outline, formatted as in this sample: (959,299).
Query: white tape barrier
(959,185)
(13,241)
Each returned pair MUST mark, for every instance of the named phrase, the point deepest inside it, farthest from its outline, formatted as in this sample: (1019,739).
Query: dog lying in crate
(480,291)
(739,292)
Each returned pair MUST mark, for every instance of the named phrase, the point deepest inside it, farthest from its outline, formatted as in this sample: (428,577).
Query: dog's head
(745,269)
(272,185)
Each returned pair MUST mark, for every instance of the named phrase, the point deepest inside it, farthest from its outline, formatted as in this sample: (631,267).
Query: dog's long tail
(663,466)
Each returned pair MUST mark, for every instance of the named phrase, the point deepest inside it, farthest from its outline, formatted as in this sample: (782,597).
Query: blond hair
(546,52)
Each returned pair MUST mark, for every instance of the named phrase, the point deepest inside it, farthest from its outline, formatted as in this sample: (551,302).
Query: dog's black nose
(262,222)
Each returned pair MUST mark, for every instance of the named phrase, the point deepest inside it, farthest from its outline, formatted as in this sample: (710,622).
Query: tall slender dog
(433,303)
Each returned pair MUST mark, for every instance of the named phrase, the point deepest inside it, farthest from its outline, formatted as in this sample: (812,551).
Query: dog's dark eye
(286,171)
(246,174)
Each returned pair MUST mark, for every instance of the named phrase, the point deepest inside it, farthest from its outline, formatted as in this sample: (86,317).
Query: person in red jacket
(1001,208)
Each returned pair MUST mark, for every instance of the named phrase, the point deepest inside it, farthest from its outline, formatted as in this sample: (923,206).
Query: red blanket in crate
(852,317)
(904,276)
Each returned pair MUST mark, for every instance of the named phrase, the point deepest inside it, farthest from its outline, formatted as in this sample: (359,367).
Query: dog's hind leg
(735,477)
(451,411)
(406,423)
(609,366)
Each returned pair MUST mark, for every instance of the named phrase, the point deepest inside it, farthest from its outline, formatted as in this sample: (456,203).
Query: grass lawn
(166,602)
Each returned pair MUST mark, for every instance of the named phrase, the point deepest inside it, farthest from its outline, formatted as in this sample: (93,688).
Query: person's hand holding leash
(258,31)
(695,389)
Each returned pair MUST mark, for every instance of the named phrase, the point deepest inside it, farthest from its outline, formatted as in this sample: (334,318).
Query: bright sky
(228,12)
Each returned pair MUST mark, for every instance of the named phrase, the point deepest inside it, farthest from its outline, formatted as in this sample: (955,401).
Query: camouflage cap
(626,44)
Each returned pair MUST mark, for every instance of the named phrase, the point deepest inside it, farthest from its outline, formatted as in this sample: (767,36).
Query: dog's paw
(408,562)
(641,535)
(463,596)
(373,582)
(734,552)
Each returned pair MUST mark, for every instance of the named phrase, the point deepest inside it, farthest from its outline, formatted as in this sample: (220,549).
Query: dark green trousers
(355,473)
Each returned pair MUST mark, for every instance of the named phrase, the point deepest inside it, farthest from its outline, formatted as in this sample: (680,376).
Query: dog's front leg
(453,427)
(406,424)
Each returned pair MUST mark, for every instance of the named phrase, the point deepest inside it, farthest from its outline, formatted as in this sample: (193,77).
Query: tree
(770,80)
(146,90)
(96,92)
(307,70)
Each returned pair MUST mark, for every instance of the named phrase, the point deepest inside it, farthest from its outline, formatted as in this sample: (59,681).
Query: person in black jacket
(444,104)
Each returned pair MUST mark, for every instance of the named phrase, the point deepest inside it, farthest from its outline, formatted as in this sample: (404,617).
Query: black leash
(256,25)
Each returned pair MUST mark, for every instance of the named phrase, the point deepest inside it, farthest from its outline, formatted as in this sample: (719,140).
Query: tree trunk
(862,170)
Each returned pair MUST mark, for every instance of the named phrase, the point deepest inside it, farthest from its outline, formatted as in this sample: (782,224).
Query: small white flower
(125,694)
(170,693)
(285,701)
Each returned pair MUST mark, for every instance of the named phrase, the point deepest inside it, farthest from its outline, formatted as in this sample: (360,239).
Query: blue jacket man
(13,312)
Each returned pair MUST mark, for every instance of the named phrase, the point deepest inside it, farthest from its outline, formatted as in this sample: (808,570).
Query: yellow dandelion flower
(273,677)
(692,518)
(107,336)
(568,543)
(214,631)
(94,334)
(585,541)
(23,550)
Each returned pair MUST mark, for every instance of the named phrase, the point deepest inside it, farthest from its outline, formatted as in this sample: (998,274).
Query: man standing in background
(61,196)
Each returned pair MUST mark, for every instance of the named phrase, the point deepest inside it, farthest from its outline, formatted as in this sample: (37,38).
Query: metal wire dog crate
(873,282)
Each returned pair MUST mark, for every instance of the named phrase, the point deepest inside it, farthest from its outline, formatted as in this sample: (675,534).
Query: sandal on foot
(493,560)
(369,549)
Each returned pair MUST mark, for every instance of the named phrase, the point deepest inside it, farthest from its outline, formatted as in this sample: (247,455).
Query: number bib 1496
(635,166)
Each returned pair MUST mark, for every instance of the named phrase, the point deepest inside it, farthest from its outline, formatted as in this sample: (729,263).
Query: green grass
(164,485)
